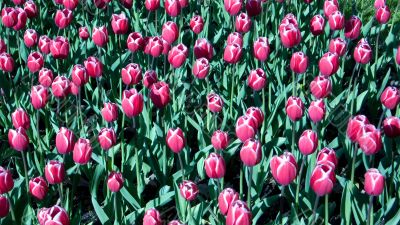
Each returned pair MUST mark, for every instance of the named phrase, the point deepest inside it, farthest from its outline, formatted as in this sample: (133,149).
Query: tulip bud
(261,49)
(176,222)
(35,62)
(74,89)
(82,151)
(336,21)
(317,24)
(253,7)
(53,215)
(290,35)
(172,7)
(238,214)
(362,52)
(196,24)
(63,18)
(9,17)
(6,62)
(18,139)
(107,138)
(59,48)
(390,97)
(135,42)
(3,46)
(44,44)
(374,182)
(84,33)
(330,6)
(354,127)
(20,119)
(379,3)
(131,74)
(391,126)
(256,114)
(154,46)
(243,23)
(132,102)
(170,32)
(115,182)
(370,140)
(184,3)
(65,140)
(21,19)
(175,139)
(60,87)
(100,36)
(383,14)
(79,75)
(232,53)
(203,49)
(398,55)
(284,168)
(235,38)
(308,142)
(177,55)
(45,77)
(94,67)
(38,188)
(257,79)
(322,179)
(328,64)
(321,87)
(110,112)
(215,166)
(4,206)
(226,198)
(159,94)
(31,9)
(233,7)
(352,28)
(54,172)
(200,68)
(149,78)
(119,23)
(30,38)
(316,111)
(299,62)
(188,190)
(165,47)
(251,153)
(152,216)
(294,108)
(152,5)
(6,181)
(39,96)
(327,156)
(70,4)
(246,128)
(220,140)
(214,103)
(338,46)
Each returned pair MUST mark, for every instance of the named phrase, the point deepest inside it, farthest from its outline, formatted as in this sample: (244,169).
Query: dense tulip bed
(199,112)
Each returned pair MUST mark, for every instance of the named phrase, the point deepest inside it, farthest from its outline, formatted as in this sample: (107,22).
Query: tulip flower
(154,47)
(294,108)
(54,172)
(232,6)
(362,52)
(160,94)
(53,215)
(6,181)
(256,114)
(30,38)
(35,62)
(45,77)
(336,21)
(119,23)
(328,64)
(214,166)
(246,128)
(382,14)
(317,24)
(188,190)
(232,53)
(370,140)
(107,138)
(149,78)
(338,46)
(299,62)
(94,67)
(239,214)
(20,118)
(131,74)
(284,168)
(172,7)
(243,23)
(308,142)
(200,68)
(257,79)
(354,127)
(390,97)
(18,139)
(4,206)
(31,9)
(70,4)
(152,5)
(196,24)
(175,140)
(226,198)
(109,112)
(44,44)
(38,188)
(261,49)
(327,156)
(6,62)
(251,153)
(220,140)
(63,18)
(330,6)
(352,27)
(59,48)
(21,19)
(177,55)
(203,49)
(391,126)
(321,87)
(152,216)
(316,111)
(39,96)
(115,182)
(253,7)
(9,16)
(322,179)
(135,42)
(82,151)
(235,38)
(100,36)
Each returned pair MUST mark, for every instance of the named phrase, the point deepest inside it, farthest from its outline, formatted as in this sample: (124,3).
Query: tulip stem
(11,208)
(60,191)
(249,179)
(377,51)
(139,179)
(232,87)
(241,183)
(122,143)
(370,218)
(326,209)
(299,180)
(313,217)
(115,209)
(281,203)
(353,165)
(181,164)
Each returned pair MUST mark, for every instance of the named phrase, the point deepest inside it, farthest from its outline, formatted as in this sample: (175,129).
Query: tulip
(362,52)
(63,18)
(338,46)
(215,166)
(152,216)
(115,182)
(239,214)
(20,119)
(44,44)
(226,198)
(235,38)
(94,67)
(6,62)
(294,108)
(383,14)
(60,87)
(74,89)
(9,17)
(316,111)
(59,48)
(290,35)
(149,78)
(110,112)
(6,181)
(214,103)
(352,28)
(65,140)
(101,4)
(196,24)
(203,49)
(175,222)
(251,153)
(330,6)
(374,182)
(288,19)
(100,36)
(322,179)
(184,3)
(328,64)
(188,190)
(39,96)
(232,53)
(284,168)
(354,127)
(3,46)
(53,215)
(256,114)
(257,79)
(177,55)
(398,55)
(70,4)
(45,77)
(245,128)
(308,142)
(152,5)
(127,3)
(84,33)
(82,151)
(18,139)
(170,32)
(21,19)
(220,140)
(243,23)
(131,74)
(391,126)
(4,206)
(30,38)
(175,139)
(165,47)
(327,156)
(253,7)
(107,138)
(299,62)
(172,7)
(317,24)
(200,68)
(336,21)
(370,140)
(79,75)
(159,94)
(154,46)
(390,97)
(119,23)
(35,62)
(54,172)
(31,9)
(321,87)
(132,102)
(135,42)
(261,49)
(38,188)
(233,7)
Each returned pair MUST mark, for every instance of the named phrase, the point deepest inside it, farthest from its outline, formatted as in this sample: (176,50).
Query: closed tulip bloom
(203,49)
(59,48)
(131,74)
(246,128)
(188,190)
(82,151)
(177,55)
(107,138)
(232,53)
(374,182)
(338,46)
(317,24)
(261,49)
(196,24)
(30,38)
(165,47)
(321,87)
(172,7)
(152,217)
(45,77)
(352,27)
(398,55)
(391,126)
(328,64)
(53,215)
(175,139)
(18,2)
(184,3)
(200,68)
(115,182)
(354,127)
(154,47)
(251,153)
(390,97)
(54,172)
(239,214)
(294,108)
(288,19)
(6,181)
(330,6)
(170,32)
(214,103)
(119,23)
(44,44)
(79,75)
(60,87)
(100,36)
(336,21)
(233,7)
(308,142)
(215,166)
(175,222)
(379,3)
(242,23)
(284,168)
(84,33)
(299,62)
(18,139)
(220,140)
(257,79)
(6,62)
(322,179)
(35,62)
(235,38)
(135,41)
(316,111)
(152,5)
(38,188)
(132,102)
(362,52)
(149,78)
(253,7)
(383,14)
(3,46)
(290,35)
(4,206)
(94,67)
(59,2)
(63,18)
(39,96)
(101,4)
(65,140)
(257,114)
(21,19)
(109,112)
(327,156)
(70,4)
(74,89)
(370,140)
(226,198)
(31,9)
(20,119)
(159,94)
(9,17)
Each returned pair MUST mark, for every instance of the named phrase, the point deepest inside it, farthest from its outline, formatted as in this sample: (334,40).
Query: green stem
(241,183)
(116,208)
(313,217)
(326,209)
(250,178)
(299,180)
(281,203)
(232,88)
(370,218)
(122,143)
(139,179)
(353,165)
(181,164)
(11,208)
